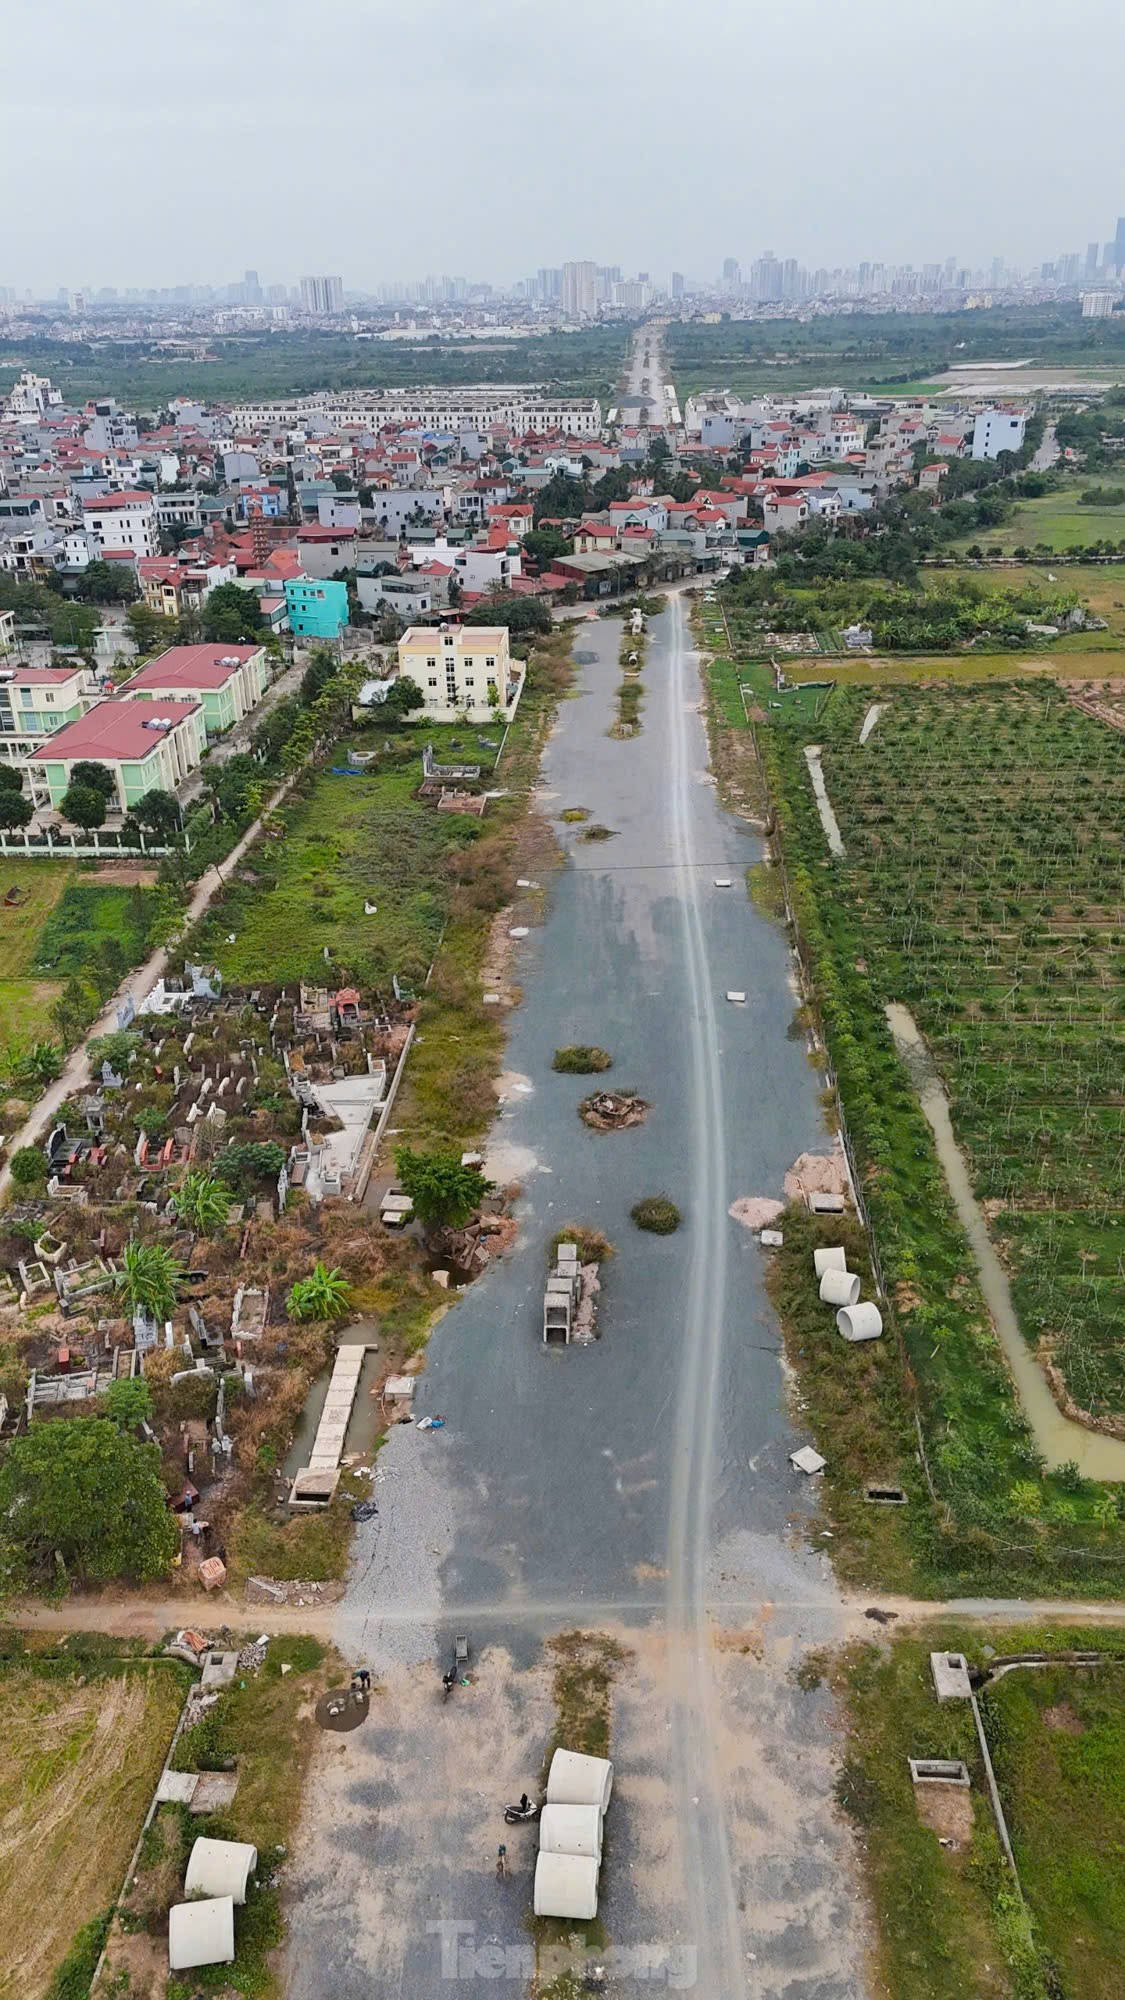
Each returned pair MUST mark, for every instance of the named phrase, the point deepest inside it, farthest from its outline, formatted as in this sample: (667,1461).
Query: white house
(998,430)
(462,670)
(479,569)
(123,523)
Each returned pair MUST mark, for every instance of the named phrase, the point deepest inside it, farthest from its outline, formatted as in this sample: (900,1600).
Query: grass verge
(951,1923)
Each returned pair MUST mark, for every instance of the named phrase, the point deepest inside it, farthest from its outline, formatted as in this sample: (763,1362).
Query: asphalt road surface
(638,1487)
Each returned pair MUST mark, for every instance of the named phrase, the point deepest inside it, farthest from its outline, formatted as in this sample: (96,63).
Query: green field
(347,841)
(295,364)
(1057,521)
(25,1000)
(951,1926)
(89,920)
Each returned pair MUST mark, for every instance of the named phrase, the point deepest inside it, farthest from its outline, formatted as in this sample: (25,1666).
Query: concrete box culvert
(839,1288)
(832,1259)
(938,1771)
(860,1322)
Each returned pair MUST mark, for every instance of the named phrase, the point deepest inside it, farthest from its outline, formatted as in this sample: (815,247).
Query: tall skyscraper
(677,284)
(548,280)
(251,289)
(732,274)
(322,295)
(1119,244)
(1091,259)
(580,290)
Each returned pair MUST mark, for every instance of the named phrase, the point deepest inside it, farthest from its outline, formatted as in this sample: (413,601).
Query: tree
(83,806)
(324,1294)
(342,481)
(15,810)
(241,1167)
(544,544)
(202,1202)
(99,777)
(148,629)
(231,614)
(147,1280)
(519,614)
(107,583)
(128,1403)
(321,669)
(34,1062)
(28,1167)
(11,780)
(402,698)
(83,1497)
(157,812)
(445,1193)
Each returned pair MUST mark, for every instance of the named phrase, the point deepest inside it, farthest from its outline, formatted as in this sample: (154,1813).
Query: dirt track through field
(77,1767)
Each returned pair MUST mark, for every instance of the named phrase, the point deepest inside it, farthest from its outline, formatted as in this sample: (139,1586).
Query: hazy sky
(156,141)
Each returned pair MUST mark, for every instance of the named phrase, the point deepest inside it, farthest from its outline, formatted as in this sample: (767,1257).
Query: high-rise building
(549,281)
(322,295)
(1119,244)
(251,289)
(677,284)
(580,290)
(1098,305)
(1091,259)
(732,274)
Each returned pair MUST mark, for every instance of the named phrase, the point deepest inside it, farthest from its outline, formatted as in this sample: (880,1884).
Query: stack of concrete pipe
(857,1319)
(570,1836)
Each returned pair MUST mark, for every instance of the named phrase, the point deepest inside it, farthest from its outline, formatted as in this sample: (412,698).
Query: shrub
(657,1214)
(28,1167)
(581,1059)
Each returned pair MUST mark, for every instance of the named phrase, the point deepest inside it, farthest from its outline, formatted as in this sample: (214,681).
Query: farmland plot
(985,837)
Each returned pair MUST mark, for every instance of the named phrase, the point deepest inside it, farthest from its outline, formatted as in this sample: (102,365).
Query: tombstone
(146,1333)
(217,1116)
(111,1079)
(94,1108)
(175,1076)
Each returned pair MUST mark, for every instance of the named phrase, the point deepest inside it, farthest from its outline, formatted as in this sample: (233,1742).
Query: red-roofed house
(227,681)
(146,745)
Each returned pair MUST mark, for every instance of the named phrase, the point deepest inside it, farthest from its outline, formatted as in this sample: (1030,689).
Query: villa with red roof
(227,681)
(147,746)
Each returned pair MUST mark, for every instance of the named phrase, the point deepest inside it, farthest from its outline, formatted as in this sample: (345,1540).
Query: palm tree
(324,1294)
(147,1280)
(202,1202)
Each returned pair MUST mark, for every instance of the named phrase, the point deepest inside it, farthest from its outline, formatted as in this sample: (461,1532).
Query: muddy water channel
(1060,1440)
(366,1420)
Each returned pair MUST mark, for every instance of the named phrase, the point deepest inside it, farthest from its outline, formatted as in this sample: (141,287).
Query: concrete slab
(219,1669)
(951,1676)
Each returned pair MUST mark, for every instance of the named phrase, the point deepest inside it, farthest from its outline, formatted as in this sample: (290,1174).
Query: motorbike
(521,1815)
(448,1683)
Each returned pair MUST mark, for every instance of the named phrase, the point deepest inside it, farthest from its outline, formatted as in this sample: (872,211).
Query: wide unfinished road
(639,1487)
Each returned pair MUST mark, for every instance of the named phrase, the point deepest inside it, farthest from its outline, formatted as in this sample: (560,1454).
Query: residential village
(347,519)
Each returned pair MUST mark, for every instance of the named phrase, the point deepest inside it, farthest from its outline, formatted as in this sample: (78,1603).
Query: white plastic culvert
(861,1322)
(839,1288)
(835,1259)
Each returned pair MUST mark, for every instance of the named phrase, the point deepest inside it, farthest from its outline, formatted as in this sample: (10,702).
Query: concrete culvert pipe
(220,1868)
(566,1885)
(201,1933)
(571,1830)
(575,1780)
(835,1259)
(861,1322)
(839,1288)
